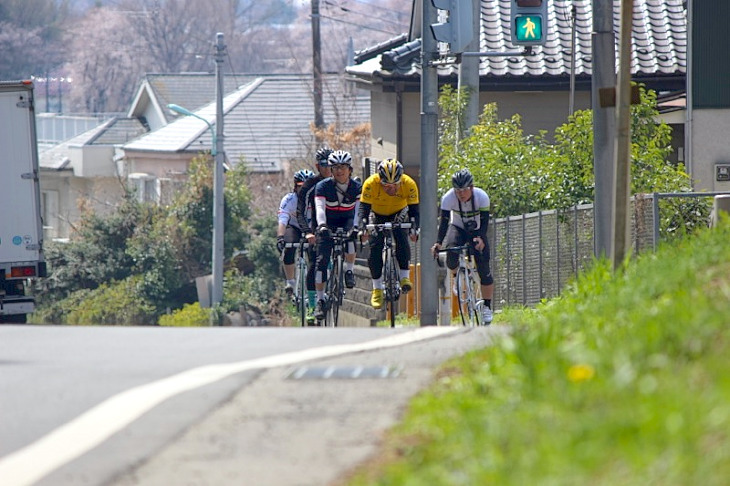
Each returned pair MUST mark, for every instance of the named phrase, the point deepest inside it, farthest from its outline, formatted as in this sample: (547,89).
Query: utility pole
(218,159)
(469,70)
(622,217)
(571,103)
(429,166)
(317,66)
(604,75)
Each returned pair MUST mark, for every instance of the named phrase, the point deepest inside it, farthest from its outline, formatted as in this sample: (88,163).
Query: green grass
(623,380)
(401,320)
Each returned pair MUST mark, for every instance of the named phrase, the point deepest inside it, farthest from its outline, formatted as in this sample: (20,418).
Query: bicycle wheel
(476,295)
(461,293)
(392,286)
(333,295)
(472,307)
(302,290)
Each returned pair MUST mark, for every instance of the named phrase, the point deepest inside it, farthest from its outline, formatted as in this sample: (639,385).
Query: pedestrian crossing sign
(528,29)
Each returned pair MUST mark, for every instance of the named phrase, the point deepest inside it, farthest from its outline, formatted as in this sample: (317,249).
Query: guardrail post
(720,204)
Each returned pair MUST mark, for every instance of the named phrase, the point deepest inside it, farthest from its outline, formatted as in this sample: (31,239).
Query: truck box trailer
(21,226)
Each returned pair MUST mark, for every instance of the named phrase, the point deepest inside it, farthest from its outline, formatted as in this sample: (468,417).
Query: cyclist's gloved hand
(323,231)
(280,243)
(414,226)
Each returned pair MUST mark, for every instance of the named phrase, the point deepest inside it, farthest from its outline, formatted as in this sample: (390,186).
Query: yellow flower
(580,372)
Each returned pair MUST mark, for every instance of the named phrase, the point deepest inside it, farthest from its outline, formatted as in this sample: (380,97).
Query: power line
(390,32)
(368,14)
(381,7)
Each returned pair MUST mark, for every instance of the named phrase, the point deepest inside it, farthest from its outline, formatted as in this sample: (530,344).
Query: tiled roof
(266,121)
(116,131)
(191,90)
(119,131)
(659,42)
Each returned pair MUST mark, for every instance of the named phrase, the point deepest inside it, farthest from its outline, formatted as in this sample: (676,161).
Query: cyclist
(389,193)
(468,209)
(289,230)
(336,203)
(305,216)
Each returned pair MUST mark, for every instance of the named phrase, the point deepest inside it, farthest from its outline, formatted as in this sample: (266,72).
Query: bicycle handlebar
(388,226)
(303,243)
(451,249)
(455,249)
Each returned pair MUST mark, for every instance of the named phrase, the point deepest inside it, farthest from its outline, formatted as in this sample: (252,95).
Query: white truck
(21,227)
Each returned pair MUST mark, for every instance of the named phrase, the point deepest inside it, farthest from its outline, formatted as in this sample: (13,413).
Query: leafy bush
(96,253)
(191,315)
(525,173)
(164,248)
(116,303)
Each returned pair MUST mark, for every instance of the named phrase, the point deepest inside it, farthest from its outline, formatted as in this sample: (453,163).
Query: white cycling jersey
(287,214)
(468,211)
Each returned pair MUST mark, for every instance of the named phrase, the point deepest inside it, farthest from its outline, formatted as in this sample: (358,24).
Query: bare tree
(30,37)
(178,34)
(107,62)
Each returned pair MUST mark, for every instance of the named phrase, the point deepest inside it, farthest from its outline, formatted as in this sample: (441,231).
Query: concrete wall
(64,197)
(539,110)
(710,129)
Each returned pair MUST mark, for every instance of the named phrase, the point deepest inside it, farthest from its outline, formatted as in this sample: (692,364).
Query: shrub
(191,315)
(117,303)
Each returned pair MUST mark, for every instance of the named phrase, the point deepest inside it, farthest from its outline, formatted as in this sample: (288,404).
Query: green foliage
(191,315)
(96,254)
(259,287)
(524,173)
(621,380)
(163,248)
(115,303)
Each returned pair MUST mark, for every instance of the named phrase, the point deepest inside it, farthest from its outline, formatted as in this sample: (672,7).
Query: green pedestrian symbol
(528,28)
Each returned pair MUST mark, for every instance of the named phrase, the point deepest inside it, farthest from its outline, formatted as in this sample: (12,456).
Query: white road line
(80,435)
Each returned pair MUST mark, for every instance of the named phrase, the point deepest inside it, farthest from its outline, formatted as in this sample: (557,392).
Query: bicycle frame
(300,288)
(467,288)
(391,275)
(335,288)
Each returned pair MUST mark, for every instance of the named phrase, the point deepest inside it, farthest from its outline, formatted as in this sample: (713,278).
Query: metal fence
(535,255)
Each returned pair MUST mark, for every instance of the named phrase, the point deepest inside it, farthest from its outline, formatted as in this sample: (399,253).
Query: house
(191,90)
(82,174)
(536,86)
(267,125)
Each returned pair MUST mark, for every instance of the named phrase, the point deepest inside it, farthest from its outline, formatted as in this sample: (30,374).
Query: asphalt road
(304,406)
(284,431)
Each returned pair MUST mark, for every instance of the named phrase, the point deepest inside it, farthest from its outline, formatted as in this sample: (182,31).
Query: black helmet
(340,157)
(462,179)
(302,175)
(390,171)
(322,155)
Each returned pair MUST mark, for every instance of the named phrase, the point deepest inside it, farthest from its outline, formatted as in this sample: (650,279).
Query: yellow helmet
(390,171)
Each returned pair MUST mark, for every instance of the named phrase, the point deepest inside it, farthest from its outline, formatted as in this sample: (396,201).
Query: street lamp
(184,111)
(217,257)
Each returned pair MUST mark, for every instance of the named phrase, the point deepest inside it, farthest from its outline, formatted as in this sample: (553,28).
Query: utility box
(722,177)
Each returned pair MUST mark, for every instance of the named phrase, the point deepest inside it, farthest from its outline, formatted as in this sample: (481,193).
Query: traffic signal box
(458,30)
(529,22)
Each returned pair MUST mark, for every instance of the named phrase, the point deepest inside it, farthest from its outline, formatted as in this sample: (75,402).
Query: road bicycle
(391,270)
(300,287)
(466,286)
(335,288)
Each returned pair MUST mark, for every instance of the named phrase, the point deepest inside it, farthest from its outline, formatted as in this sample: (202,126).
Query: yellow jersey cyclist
(387,194)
